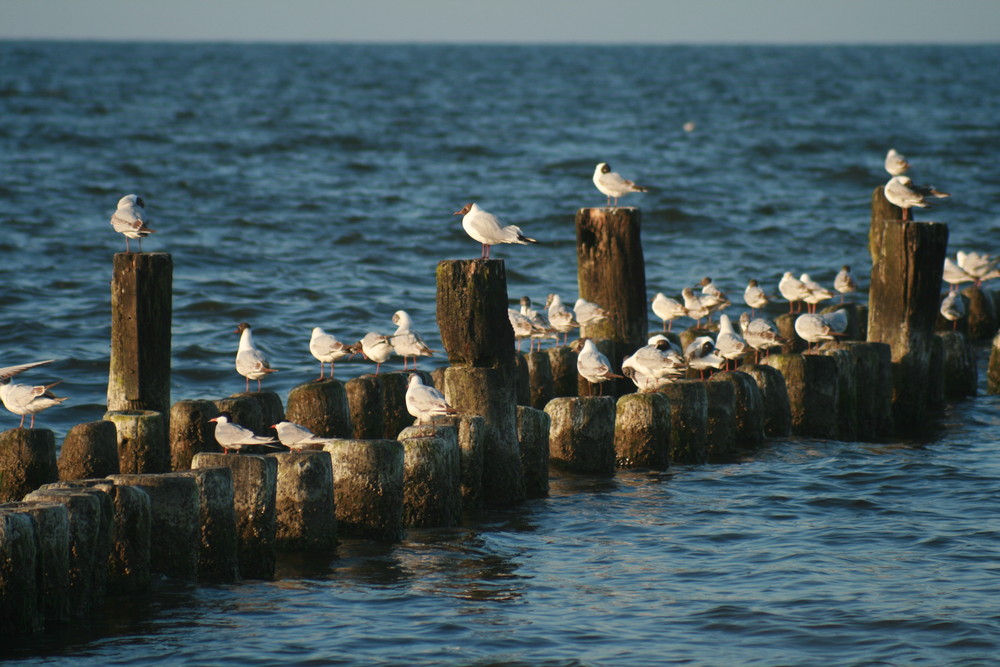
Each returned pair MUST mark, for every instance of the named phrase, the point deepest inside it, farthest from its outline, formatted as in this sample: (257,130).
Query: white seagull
(813,327)
(668,310)
(486,228)
(702,354)
(953,308)
(654,365)
(712,297)
(895,163)
(130,219)
(539,323)
(844,282)
(425,402)
(521,326)
(730,344)
(588,312)
(376,347)
(760,334)
(560,316)
(955,275)
(22,399)
(233,436)
(250,362)
(695,305)
(817,292)
(327,349)
(754,296)
(593,365)
(979,266)
(295,436)
(904,193)
(612,184)
(793,289)
(407,342)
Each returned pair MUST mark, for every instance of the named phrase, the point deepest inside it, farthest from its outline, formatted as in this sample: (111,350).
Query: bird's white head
(602,168)
(131,200)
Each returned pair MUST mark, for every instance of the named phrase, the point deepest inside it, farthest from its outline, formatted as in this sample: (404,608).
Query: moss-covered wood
(142,441)
(642,431)
(582,434)
(89,450)
(27,460)
(472,312)
(688,421)
(368,488)
(321,407)
(749,408)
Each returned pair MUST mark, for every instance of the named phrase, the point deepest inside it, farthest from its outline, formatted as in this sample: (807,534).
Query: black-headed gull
(701,354)
(521,326)
(588,312)
(560,317)
(904,193)
(955,275)
(612,184)
(668,310)
(793,289)
(953,308)
(376,347)
(979,266)
(295,436)
(844,282)
(232,436)
(695,305)
(755,296)
(813,327)
(713,297)
(895,163)
(816,294)
(730,344)
(130,219)
(425,402)
(327,349)
(761,334)
(541,328)
(22,399)
(250,362)
(407,342)
(486,228)
(593,365)
(654,365)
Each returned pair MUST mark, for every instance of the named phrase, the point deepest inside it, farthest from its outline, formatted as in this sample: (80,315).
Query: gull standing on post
(593,365)
(521,326)
(425,402)
(755,297)
(539,324)
(376,347)
(955,275)
(979,266)
(702,354)
(730,344)
(250,362)
(694,305)
(297,437)
(560,316)
(844,282)
(760,334)
(612,184)
(817,292)
(326,348)
(953,308)
(814,328)
(130,219)
(654,365)
(793,289)
(22,399)
(406,342)
(895,163)
(588,312)
(714,298)
(233,436)
(486,228)
(904,193)
(668,310)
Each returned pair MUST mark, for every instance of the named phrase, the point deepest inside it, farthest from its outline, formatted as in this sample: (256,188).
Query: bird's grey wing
(10,371)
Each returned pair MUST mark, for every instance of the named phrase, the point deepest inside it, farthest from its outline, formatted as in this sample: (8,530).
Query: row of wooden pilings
(119,516)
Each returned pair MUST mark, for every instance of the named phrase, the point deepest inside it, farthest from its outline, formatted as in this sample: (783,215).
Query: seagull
(539,323)
(613,185)
(695,305)
(955,275)
(817,292)
(654,365)
(844,282)
(712,296)
(521,326)
(813,328)
(425,402)
(406,342)
(375,346)
(668,310)
(560,316)
(588,312)
(233,436)
(295,437)
(326,348)
(130,219)
(22,399)
(953,308)
(486,228)
(250,362)
(793,289)
(760,334)
(593,365)
(730,344)
(979,266)
(904,193)
(754,296)
(895,163)
(701,354)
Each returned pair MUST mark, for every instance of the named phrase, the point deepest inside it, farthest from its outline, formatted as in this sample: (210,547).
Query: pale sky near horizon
(545,21)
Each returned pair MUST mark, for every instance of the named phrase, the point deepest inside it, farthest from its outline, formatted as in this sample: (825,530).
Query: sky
(508,21)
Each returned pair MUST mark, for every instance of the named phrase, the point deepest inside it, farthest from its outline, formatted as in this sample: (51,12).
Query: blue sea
(314,185)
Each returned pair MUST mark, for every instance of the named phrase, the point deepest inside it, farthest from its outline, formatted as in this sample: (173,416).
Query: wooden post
(218,561)
(642,431)
(27,460)
(540,385)
(432,493)
(960,377)
(721,421)
(749,403)
(774,395)
(812,382)
(90,450)
(882,213)
(688,421)
(611,272)
(993,371)
(19,612)
(305,515)
(982,317)
(565,376)
(321,407)
(368,488)
(191,432)
(471,443)
(51,525)
(533,437)
(903,304)
(142,441)
(139,377)
(582,435)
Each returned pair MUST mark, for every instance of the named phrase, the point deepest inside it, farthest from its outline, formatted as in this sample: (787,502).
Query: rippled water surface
(301,186)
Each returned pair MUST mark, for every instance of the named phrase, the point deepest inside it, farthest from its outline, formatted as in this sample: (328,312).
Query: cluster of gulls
(659,362)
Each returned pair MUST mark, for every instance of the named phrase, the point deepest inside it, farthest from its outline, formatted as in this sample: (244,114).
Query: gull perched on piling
(761,334)
(327,349)
(425,402)
(612,184)
(521,326)
(376,347)
(232,436)
(560,316)
(816,294)
(953,308)
(668,310)
(730,344)
(754,296)
(793,289)
(593,365)
(297,437)
(904,193)
(712,297)
(955,275)
(22,399)
(701,354)
(844,282)
(486,228)
(813,327)
(588,312)
(250,362)
(541,328)
(406,342)
(654,365)
(130,219)
(979,266)
(895,163)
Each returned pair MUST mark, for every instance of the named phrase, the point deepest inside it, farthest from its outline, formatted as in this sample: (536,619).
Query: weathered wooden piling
(27,460)
(472,434)
(51,531)
(271,409)
(582,435)
(368,488)
(611,272)
(90,450)
(857,326)
(882,211)
(688,421)
(749,408)
(141,311)
(981,318)
(642,431)
(993,371)
(959,377)
(903,304)
(191,432)
(175,517)
(720,424)
(321,407)
(533,428)
(865,395)
(774,397)
(812,384)
(142,441)
(19,612)
(305,517)
(610,388)
(218,560)
(786,327)
(377,404)
(255,481)
(522,382)
(565,376)
(540,384)
(396,416)
(432,494)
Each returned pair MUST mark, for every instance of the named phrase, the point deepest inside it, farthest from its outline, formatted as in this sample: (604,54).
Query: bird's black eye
(707,347)
(138,200)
